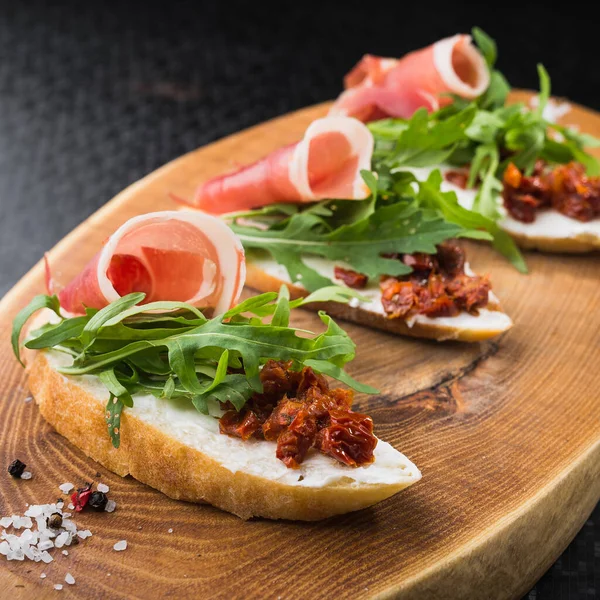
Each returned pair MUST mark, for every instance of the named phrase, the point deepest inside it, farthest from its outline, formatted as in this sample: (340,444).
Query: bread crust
(181,472)
(264,282)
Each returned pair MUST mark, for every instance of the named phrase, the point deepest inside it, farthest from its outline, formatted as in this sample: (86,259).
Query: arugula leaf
(327,368)
(106,314)
(281,316)
(39,302)
(487,46)
(395,228)
(544,94)
(114,408)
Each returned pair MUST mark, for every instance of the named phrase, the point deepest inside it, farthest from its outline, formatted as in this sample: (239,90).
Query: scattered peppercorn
(54,521)
(81,496)
(16,468)
(98,501)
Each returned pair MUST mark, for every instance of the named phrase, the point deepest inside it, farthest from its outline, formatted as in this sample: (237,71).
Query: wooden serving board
(506,433)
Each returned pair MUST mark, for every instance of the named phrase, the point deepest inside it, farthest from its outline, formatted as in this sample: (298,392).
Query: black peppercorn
(54,521)
(98,500)
(16,468)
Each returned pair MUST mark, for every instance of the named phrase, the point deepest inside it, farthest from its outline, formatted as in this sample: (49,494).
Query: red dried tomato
(566,188)
(294,421)
(397,297)
(349,438)
(451,258)
(281,418)
(294,443)
(458,178)
(244,424)
(470,293)
(437,287)
(351,278)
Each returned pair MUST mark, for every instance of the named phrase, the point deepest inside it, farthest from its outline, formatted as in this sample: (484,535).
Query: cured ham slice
(386,87)
(326,163)
(173,255)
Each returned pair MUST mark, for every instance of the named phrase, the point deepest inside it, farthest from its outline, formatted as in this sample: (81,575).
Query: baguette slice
(265,275)
(173,448)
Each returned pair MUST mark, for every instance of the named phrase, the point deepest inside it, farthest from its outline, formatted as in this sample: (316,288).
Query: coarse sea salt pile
(35,543)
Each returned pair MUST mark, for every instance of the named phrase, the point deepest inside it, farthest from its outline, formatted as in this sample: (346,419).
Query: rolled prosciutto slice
(326,163)
(173,255)
(387,87)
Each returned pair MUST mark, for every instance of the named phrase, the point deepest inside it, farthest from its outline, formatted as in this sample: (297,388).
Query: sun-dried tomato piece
(278,379)
(451,258)
(281,418)
(470,293)
(397,297)
(565,188)
(458,178)
(353,279)
(422,264)
(308,380)
(294,443)
(349,438)
(433,300)
(293,421)
(244,424)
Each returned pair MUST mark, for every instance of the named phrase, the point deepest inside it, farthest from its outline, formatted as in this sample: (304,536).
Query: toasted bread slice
(265,275)
(175,449)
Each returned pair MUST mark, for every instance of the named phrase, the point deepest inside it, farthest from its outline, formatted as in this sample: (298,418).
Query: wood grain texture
(506,433)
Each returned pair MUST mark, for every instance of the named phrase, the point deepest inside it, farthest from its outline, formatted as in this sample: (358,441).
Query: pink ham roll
(387,87)
(173,255)
(326,163)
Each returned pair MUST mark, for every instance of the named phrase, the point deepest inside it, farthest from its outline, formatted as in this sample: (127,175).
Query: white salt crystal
(28,399)
(65,488)
(120,545)
(26,475)
(65,552)
(69,525)
(43,576)
(27,535)
(29,553)
(6,521)
(86,533)
(17,554)
(60,505)
(26,522)
(71,506)
(58,586)
(4,548)
(61,539)
(110,506)
(16,521)
(34,511)
(46,557)
(45,545)
(70,579)
(170,530)
(102,487)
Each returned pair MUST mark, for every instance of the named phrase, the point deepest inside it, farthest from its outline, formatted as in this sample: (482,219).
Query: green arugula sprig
(357,233)
(175,351)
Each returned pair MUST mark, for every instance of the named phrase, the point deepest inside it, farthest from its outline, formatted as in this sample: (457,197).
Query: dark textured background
(93,97)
